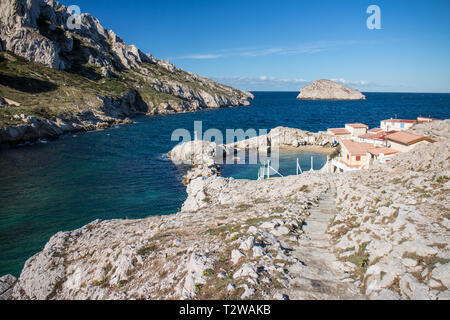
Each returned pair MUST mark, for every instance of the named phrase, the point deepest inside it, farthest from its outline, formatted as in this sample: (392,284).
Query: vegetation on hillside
(45,92)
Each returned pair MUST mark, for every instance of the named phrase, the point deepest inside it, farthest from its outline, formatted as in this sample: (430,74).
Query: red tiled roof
(384,150)
(408,139)
(339,131)
(357,125)
(375,130)
(357,148)
(401,120)
(425,119)
(373,136)
(380,135)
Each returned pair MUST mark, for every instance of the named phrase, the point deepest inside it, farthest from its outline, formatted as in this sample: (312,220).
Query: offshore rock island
(329,90)
(54,80)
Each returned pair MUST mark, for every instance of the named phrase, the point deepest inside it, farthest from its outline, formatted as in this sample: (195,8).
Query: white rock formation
(392,222)
(38,31)
(197,152)
(282,137)
(389,228)
(329,90)
(6,284)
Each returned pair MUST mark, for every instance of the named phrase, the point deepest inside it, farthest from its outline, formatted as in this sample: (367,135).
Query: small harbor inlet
(287,164)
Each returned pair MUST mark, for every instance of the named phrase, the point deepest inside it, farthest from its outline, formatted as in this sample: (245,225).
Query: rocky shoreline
(376,234)
(34,128)
(62,80)
(206,157)
(120,111)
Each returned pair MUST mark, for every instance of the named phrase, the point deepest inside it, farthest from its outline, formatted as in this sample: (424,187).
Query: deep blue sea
(122,173)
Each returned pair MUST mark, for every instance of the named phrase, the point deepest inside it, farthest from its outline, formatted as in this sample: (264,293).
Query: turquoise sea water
(122,172)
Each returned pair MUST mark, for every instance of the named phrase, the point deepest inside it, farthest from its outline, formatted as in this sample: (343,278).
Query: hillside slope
(85,78)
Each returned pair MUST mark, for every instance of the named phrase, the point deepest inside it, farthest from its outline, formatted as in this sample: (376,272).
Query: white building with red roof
(402,124)
(382,154)
(377,139)
(357,129)
(404,141)
(360,155)
(339,134)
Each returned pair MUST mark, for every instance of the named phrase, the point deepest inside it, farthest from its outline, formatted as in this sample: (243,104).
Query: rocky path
(323,277)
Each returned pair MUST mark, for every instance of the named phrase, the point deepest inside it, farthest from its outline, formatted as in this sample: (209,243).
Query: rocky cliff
(329,90)
(56,72)
(233,239)
(394,225)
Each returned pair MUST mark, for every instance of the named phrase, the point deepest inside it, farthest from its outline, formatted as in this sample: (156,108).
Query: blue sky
(282,45)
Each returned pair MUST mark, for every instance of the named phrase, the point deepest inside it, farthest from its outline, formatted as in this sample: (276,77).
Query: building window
(358,158)
(348,157)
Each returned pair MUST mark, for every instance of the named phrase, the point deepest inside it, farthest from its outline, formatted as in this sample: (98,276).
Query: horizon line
(409,92)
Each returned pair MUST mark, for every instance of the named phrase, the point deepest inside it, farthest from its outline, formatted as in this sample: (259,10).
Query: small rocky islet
(329,90)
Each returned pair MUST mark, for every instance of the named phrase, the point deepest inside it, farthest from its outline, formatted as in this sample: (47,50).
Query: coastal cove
(123,173)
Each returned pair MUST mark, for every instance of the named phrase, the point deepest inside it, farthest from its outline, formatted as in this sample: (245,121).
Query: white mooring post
(268,169)
(262,172)
(299,167)
(312,163)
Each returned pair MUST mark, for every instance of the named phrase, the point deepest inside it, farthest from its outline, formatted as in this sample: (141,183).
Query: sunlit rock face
(329,90)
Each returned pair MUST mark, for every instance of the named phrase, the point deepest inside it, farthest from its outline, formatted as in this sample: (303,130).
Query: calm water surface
(122,172)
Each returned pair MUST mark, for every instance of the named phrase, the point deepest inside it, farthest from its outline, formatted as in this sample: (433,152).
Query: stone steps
(320,279)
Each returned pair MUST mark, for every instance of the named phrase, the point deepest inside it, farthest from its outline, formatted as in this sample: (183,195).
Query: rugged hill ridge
(87,76)
(329,90)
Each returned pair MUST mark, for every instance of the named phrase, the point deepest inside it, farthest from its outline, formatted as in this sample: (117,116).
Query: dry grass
(45,92)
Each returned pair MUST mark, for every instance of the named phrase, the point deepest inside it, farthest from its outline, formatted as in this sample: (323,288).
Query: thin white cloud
(263,82)
(201,56)
(351,82)
(267,83)
(309,48)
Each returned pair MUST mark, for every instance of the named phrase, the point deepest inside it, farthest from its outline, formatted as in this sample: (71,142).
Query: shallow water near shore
(123,173)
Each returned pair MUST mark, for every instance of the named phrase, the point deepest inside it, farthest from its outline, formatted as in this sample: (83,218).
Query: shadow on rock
(26,84)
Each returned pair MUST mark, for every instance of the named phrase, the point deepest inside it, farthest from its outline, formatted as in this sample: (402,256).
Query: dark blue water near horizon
(122,173)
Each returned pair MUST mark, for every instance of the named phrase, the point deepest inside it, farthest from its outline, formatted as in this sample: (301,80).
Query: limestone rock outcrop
(39,32)
(280,137)
(385,238)
(195,152)
(6,286)
(115,111)
(394,223)
(329,90)
(183,256)
(437,130)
